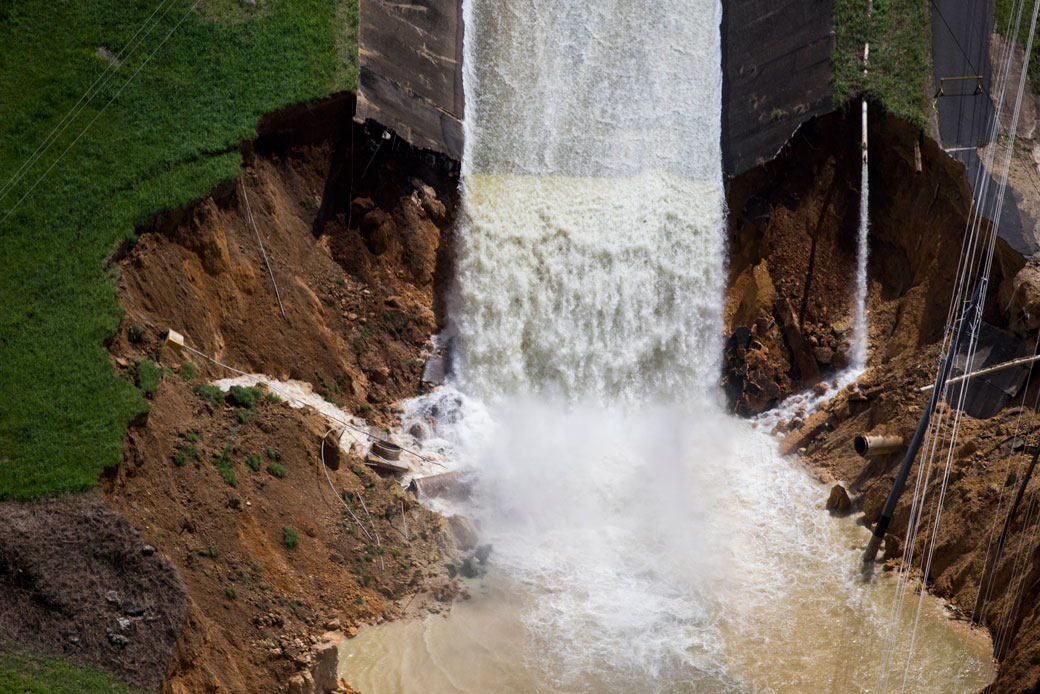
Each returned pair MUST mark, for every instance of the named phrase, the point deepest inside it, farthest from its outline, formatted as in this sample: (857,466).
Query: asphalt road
(960,47)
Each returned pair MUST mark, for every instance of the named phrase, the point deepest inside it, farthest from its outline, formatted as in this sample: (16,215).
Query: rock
(379,375)
(301,683)
(323,670)
(820,388)
(838,500)
(470,568)
(350,632)
(482,553)
(808,370)
(124,624)
(893,546)
(133,609)
(418,431)
(148,550)
(116,639)
(840,360)
(332,625)
(465,534)
(112,598)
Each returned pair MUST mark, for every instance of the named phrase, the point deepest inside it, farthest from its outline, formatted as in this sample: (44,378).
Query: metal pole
(915,443)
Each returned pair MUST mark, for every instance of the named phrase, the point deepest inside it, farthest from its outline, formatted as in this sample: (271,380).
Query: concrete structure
(776,63)
(411,71)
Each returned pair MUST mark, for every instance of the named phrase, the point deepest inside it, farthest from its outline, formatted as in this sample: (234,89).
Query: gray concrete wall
(411,70)
(776,62)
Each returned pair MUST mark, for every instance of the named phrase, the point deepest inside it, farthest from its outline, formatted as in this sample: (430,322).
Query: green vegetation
(243,397)
(290,537)
(184,454)
(211,394)
(148,375)
(188,369)
(167,135)
(900,55)
(211,552)
(22,673)
(230,593)
(224,461)
(273,454)
(191,436)
(243,415)
(135,333)
(254,462)
(277,470)
(273,398)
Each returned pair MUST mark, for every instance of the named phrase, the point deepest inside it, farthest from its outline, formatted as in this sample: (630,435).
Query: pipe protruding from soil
(867,446)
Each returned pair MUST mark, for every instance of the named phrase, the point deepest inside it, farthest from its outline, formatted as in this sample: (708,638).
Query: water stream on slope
(643,540)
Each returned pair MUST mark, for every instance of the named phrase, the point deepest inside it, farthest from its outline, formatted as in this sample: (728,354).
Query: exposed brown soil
(355,227)
(357,279)
(257,605)
(78,580)
(793,224)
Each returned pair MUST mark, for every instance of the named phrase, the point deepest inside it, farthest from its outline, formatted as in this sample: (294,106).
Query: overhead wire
(100,113)
(92,91)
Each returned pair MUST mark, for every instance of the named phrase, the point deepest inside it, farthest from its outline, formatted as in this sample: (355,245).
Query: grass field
(1005,23)
(900,55)
(33,674)
(175,112)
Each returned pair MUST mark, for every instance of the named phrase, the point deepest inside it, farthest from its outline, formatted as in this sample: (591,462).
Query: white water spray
(643,540)
(860,329)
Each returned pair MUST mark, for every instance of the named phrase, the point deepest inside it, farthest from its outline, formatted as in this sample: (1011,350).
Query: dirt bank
(793,225)
(354,226)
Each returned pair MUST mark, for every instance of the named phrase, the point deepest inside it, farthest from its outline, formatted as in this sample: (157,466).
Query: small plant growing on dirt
(243,396)
(342,284)
(188,370)
(290,537)
(366,332)
(191,435)
(148,375)
(135,333)
(243,415)
(273,398)
(396,321)
(364,408)
(254,462)
(228,475)
(213,395)
(277,470)
(211,552)
(328,385)
(184,454)
(255,568)
(231,593)
(273,454)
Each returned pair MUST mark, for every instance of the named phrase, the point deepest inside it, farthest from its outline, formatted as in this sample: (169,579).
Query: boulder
(838,501)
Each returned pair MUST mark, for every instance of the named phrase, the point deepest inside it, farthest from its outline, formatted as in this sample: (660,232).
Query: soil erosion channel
(643,540)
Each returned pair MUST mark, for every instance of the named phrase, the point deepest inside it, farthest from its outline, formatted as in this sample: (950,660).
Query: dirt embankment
(793,224)
(355,227)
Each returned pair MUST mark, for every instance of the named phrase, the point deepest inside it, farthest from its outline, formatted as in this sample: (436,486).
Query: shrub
(188,370)
(135,333)
(191,435)
(277,470)
(243,396)
(184,454)
(273,454)
(273,398)
(243,415)
(211,394)
(148,375)
(228,475)
(253,461)
(290,537)
(231,593)
(211,552)
(224,461)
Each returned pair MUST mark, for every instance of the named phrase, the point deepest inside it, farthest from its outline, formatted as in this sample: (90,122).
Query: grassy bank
(34,674)
(168,135)
(900,55)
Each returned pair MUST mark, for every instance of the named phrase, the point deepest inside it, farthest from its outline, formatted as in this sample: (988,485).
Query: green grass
(168,137)
(277,470)
(900,55)
(290,537)
(244,397)
(148,376)
(254,462)
(36,674)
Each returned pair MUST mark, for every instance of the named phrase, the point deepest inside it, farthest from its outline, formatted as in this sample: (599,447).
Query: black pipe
(915,443)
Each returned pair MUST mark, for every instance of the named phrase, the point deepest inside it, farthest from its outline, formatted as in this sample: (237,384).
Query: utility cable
(249,213)
(336,493)
(100,113)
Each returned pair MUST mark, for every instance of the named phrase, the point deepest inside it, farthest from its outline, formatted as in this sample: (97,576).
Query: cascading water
(860,333)
(643,541)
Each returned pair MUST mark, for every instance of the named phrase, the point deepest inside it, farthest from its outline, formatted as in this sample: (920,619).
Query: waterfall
(860,329)
(643,540)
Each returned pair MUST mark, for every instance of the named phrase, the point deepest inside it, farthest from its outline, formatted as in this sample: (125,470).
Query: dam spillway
(643,540)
